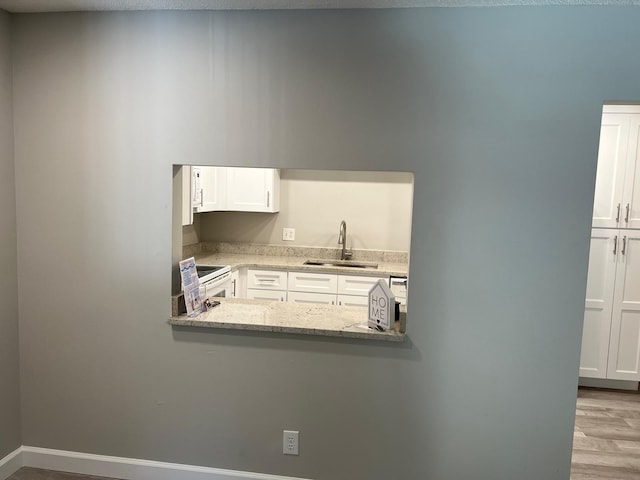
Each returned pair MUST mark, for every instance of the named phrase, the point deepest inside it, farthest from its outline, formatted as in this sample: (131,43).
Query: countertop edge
(185,321)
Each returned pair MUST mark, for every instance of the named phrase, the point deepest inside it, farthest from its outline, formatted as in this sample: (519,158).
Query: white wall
(495,110)
(9,366)
(375,205)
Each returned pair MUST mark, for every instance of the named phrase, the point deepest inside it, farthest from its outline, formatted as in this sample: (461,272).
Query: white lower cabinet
(313,282)
(257,294)
(353,300)
(306,297)
(266,285)
(611,331)
(307,287)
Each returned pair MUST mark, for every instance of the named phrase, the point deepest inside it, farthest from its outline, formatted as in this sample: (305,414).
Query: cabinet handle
(340,302)
(615,244)
(626,218)
(268,197)
(624,244)
(282,299)
(618,215)
(233,291)
(201,197)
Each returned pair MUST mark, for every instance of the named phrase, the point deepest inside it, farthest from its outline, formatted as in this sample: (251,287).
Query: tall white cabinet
(611,331)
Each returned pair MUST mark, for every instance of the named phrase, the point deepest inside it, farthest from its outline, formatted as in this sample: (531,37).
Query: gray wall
(9,366)
(495,110)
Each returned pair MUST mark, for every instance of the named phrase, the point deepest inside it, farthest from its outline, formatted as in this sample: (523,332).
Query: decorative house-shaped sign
(382,306)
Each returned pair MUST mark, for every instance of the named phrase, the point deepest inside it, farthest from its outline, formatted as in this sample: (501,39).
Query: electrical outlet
(289,234)
(290,442)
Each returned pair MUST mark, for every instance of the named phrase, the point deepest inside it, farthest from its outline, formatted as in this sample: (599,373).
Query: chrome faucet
(342,240)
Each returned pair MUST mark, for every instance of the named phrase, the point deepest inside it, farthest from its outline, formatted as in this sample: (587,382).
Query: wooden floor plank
(606,442)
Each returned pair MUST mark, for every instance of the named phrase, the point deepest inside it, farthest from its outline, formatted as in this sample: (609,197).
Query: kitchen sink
(341,263)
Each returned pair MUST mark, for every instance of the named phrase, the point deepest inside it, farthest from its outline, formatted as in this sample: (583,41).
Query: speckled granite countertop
(293,258)
(287,317)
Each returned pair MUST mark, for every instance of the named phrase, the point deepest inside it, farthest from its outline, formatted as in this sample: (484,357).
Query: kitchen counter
(287,317)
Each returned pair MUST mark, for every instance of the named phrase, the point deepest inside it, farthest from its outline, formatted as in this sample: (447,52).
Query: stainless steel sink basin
(341,263)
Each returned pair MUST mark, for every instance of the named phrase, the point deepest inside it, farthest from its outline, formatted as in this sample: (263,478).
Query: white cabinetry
(236,189)
(617,193)
(266,285)
(611,332)
(307,297)
(309,287)
(253,189)
(624,347)
(599,303)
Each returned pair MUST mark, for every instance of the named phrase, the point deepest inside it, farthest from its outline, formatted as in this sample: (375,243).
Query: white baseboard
(11,463)
(119,467)
(604,383)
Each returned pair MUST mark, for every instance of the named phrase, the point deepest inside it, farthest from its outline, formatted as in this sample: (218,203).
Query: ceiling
(32,6)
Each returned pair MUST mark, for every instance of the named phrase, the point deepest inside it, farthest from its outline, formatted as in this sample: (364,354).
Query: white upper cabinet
(208,188)
(236,189)
(612,158)
(253,189)
(617,193)
(630,208)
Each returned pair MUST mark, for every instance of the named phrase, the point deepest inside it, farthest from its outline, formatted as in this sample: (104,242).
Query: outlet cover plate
(290,444)
(288,234)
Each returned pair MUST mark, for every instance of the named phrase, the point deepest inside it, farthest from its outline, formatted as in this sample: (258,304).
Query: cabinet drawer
(258,294)
(266,279)
(357,285)
(353,300)
(306,297)
(313,282)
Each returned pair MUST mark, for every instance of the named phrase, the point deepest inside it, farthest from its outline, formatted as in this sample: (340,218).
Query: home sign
(382,306)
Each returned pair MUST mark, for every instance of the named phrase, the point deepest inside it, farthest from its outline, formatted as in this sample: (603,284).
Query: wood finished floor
(606,439)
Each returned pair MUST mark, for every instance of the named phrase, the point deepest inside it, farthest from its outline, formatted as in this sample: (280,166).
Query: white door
(631,200)
(252,189)
(624,348)
(605,247)
(211,183)
(315,298)
(610,177)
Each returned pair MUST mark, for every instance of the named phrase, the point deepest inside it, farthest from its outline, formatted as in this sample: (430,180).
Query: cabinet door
(253,189)
(610,177)
(353,301)
(271,295)
(631,199)
(187,209)
(209,185)
(267,279)
(599,303)
(313,282)
(357,285)
(624,348)
(306,297)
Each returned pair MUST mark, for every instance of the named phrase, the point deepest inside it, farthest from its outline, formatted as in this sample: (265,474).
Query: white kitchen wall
(9,360)
(376,206)
(495,110)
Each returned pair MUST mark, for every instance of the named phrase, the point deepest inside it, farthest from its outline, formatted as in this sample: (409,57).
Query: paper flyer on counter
(191,286)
